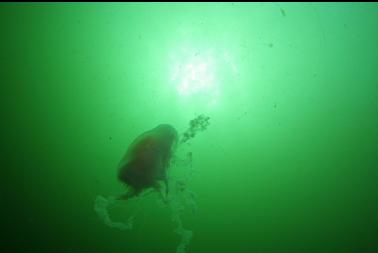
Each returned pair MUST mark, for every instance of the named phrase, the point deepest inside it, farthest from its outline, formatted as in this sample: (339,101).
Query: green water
(288,162)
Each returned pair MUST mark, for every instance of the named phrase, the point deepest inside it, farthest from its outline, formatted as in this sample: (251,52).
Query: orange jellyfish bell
(147,159)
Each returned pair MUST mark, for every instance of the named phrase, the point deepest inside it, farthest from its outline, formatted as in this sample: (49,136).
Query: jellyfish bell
(147,159)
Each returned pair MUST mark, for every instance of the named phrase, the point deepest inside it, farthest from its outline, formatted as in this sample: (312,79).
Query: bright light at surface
(199,73)
(194,74)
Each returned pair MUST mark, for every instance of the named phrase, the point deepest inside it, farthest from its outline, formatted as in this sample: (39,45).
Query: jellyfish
(145,167)
(145,163)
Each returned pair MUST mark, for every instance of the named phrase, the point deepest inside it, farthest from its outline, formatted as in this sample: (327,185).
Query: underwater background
(287,163)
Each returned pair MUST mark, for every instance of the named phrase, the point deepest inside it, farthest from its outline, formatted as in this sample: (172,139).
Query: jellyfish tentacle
(198,124)
(102,206)
(132,192)
(166,186)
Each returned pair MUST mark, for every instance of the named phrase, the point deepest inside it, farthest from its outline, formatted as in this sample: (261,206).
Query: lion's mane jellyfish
(145,166)
(146,161)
